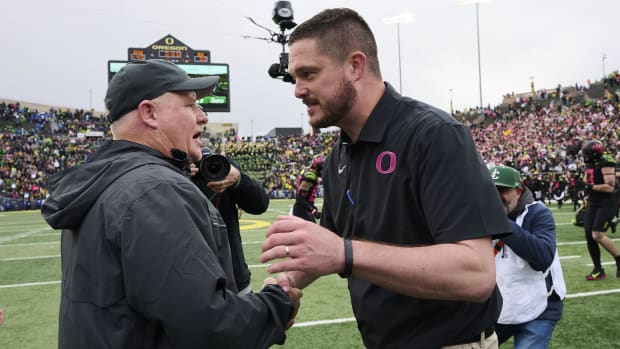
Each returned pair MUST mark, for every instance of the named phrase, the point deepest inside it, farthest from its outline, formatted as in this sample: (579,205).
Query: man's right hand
(294,293)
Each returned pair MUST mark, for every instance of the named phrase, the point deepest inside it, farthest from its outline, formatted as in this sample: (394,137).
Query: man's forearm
(453,271)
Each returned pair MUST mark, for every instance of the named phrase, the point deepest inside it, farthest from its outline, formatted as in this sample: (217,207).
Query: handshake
(294,294)
(304,252)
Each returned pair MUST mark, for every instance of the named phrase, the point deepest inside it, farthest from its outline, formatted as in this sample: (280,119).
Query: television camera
(283,17)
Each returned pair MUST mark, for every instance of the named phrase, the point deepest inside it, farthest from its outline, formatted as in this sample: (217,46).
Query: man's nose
(300,90)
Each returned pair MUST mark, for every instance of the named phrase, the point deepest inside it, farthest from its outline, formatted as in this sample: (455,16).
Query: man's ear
(147,113)
(356,65)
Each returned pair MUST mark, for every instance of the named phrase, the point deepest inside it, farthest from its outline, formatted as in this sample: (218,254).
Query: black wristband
(348,259)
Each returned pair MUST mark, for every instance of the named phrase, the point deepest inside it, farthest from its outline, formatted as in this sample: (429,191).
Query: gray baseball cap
(142,80)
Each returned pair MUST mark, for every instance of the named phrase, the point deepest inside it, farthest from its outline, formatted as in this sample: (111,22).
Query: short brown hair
(339,32)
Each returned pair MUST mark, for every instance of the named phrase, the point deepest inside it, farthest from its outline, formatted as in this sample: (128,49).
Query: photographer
(230,192)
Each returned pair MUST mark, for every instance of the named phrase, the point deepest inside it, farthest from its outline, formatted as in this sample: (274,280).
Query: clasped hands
(293,293)
(303,248)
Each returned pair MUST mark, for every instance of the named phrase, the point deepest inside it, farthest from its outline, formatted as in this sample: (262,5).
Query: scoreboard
(170,49)
(195,63)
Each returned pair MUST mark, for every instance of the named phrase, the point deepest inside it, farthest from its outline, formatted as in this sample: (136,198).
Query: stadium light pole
(252,129)
(451,105)
(467,2)
(405,17)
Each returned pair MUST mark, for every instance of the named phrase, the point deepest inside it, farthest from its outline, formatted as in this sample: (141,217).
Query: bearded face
(335,107)
(510,197)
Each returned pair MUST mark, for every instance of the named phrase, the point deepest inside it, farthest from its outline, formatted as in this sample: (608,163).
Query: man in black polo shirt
(409,208)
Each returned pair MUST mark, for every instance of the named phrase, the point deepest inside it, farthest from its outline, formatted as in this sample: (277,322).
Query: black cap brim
(203,86)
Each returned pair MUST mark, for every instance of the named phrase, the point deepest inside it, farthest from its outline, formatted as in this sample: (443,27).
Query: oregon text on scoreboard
(170,49)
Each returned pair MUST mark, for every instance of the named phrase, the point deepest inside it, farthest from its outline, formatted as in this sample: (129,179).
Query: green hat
(505,176)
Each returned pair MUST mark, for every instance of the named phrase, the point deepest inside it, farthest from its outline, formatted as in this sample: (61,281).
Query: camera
(283,17)
(279,70)
(212,167)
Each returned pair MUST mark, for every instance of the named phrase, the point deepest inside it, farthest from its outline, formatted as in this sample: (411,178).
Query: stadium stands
(540,133)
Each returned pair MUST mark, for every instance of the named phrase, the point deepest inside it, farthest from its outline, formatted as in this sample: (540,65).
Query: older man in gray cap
(145,256)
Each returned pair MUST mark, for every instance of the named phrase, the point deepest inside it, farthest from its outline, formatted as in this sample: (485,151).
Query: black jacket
(248,195)
(143,266)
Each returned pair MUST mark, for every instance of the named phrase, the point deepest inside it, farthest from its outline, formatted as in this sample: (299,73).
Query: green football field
(30,288)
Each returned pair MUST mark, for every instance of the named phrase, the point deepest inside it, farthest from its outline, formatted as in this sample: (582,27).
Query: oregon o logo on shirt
(390,158)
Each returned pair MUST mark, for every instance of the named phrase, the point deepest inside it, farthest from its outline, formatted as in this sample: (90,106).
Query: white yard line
(31,244)
(27,258)
(22,235)
(259,265)
(577,242)
(603,263)
(31,284)
(592,293)
(251,242)
(324,322)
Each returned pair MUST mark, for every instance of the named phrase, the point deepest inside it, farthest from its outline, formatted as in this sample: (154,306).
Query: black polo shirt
(413,177)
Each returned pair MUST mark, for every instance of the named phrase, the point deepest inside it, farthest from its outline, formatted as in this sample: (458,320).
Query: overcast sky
(56,51)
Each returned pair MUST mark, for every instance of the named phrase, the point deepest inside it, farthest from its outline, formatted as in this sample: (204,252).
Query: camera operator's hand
(231,180)
(193,169)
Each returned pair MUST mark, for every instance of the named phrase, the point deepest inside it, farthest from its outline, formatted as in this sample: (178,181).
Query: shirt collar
(381,116)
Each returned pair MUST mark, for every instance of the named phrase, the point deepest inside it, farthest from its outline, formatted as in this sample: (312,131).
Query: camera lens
(214,167)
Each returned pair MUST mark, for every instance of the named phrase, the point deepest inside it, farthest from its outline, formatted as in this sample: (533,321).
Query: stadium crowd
(36,144)
(540,133)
